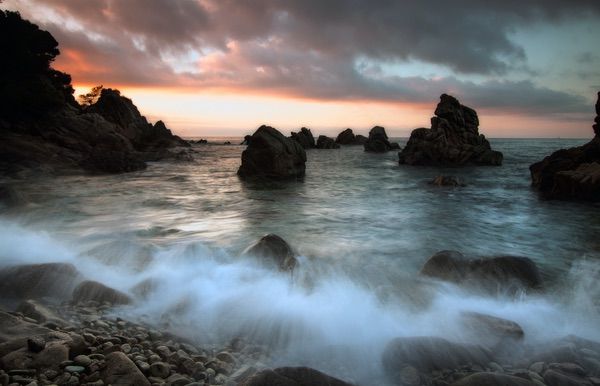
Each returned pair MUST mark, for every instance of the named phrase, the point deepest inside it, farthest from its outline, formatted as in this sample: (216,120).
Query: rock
(160,370)
(120,370)
(497,274)
(491,330)
(39,312)
(270,155)
(427,354)
(324,142)
(305,138)
(75,369)
(538,367)
(453,139)
(82,360)
(13,329)
(272,249)
(292,376)
(36,281)
(347,137)
(559,378)
(571,174)
(36,344)
(447,181)
(378,141)
(492,379)
(92,290)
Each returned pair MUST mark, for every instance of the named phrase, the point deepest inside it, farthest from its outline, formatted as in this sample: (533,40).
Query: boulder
(378,141)
(347,137)
(492,379)
(270,155)
(453,139)
(491,330)
(12,327)
(324,142)
(39,312)
(292,376)
(571,174)
(305,138)
(427,354)
(92,290)
(35,281)
(447,181)
(120,370)
(497,274)
(273,250)
(555,377)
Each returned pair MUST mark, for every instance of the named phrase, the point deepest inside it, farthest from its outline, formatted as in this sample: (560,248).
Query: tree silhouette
(29,86)
(91,97)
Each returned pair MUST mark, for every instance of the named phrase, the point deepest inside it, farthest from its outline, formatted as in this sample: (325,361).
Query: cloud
(310,48)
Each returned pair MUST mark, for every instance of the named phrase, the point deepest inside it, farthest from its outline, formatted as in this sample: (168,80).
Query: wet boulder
(292,376)
(35,281)
(92,290)
(378,141)
(120,370)
(503,274)
(324,142)
(270,155)
(305,138)
(491,330)
(453,139)
(571,174)
(273,250)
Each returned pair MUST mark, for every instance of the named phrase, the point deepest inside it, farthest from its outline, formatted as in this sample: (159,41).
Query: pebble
(75,369)
(160,370)
(82,360)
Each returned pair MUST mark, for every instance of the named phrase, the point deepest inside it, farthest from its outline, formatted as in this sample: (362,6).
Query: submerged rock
(34,281)
(271,155)
(92,290)
(453,139)
(292,376)
(378,141)
(447,181)
(497,274)
(305,138)
(272,249)
(324,142)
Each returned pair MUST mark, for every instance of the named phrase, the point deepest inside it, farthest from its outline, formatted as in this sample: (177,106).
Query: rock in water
(324,142)
(92,290)
(571,174)
(378,141)
(490,330)
(453,139)
(34,281)
(273,250)
(447,181)
(305,138)
(271,155)
(292,376)
(347,137)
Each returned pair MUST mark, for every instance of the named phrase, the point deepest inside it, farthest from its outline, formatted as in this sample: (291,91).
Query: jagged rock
(571,173)
(378,141)
(34,281)
(270,155)
(503,274)
(347,137)
(92,290)
(324,142)
(272,249)
(453,139)
(305,138)
(292,376)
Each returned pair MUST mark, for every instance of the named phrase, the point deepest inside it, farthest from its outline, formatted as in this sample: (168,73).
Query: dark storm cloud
(311,47)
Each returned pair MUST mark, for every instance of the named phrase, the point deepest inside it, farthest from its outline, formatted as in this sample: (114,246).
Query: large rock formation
(305,138)
(571,173)
(271,155)
(46,128)
(324,142)
(347,137)
(453,139)
(378,141)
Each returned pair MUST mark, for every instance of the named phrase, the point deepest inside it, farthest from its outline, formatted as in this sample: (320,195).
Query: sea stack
(378,141)
(304,137)
(571,174)
(270,155)
(453,139)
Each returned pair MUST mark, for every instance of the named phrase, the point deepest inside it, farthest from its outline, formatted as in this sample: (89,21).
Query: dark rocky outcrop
(571,173)
(501,274)
(273,250)
(304,137)
(378,141)
(270,155)
(92,290)
(453,139)
(324,142)
(347,137)
(293,376)
(34,281)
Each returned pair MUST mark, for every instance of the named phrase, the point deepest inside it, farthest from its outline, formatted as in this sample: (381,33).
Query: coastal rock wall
(453,139)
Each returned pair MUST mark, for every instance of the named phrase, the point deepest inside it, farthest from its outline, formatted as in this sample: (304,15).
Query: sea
(362,226)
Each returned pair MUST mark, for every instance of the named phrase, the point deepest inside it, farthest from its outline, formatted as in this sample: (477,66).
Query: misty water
(363,227)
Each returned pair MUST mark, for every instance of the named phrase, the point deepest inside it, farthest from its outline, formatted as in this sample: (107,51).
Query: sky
(531,68)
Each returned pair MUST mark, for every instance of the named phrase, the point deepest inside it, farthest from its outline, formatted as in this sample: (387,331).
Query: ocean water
(363,227)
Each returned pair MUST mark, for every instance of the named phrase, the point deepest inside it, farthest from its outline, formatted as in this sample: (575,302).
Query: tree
(91,97)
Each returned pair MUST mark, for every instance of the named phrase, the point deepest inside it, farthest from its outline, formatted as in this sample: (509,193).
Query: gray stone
(120,370)
(160,370)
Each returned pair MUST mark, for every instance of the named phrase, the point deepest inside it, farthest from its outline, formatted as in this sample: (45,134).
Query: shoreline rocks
(347,137)
(453,139)
(273,250)
(378,141)
(270,155)
(571,174)
(324,142)
(305,138)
